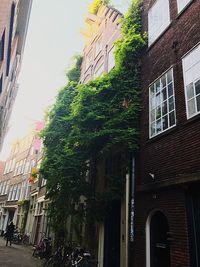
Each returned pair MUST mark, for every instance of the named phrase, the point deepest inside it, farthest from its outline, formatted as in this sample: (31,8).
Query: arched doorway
(158,250)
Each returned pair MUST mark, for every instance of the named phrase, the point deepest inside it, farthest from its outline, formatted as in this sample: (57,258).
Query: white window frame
(99,71)
(156,29)
(193,82)
(98,46)
(111,59)
(182,6)
(88,60)
(153,85)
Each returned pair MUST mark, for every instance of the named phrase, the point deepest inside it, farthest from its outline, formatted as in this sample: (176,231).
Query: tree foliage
(93,8)
(86,122)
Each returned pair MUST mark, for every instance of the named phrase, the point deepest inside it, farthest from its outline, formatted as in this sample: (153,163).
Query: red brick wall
(172,204)
(175,151)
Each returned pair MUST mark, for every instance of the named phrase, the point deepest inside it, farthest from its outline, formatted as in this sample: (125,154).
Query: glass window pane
(197,87)
(172,118)
(169,76)
(164,94)
(158,100)
(153,129)
(171,103)
(152,90)
(198,103)
(191,107)
(157,86)
(158,126)
(190,90)
(164,108)
(153,102)
(165,122)
(170,90)
(153,115)
(163,81)
(158,112)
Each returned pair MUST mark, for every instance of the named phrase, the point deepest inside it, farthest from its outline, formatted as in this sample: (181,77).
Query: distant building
(100,33)
(19,175)
(167,218)
(14,18)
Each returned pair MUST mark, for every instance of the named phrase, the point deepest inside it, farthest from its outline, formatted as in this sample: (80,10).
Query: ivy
(94,7)
(86,124)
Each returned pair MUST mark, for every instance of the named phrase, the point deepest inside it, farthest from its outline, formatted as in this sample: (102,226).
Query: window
(158,19)
(162,104)
(18,192)
(10,192)
(182,4)
(14,192)
(111,59)
(191,74)
(1,83)
(99,71)
(2,44)
(99,46)
(88,60)
(12,16)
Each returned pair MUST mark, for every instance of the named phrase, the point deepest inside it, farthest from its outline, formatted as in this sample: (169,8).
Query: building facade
(109,238)
(18,180)
(167,187)
(14,18)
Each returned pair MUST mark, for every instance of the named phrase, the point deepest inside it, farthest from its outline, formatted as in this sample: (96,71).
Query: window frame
(99,45)
(161,102)
(193,82)
(96,70)
(88,59)
(109,53)
(183,8)
(151,42)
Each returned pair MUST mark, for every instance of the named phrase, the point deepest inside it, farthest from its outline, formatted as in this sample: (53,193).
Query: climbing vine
(86,123)
(93,8)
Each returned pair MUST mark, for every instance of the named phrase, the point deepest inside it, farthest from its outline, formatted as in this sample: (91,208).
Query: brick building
(16,180)
(109,238)
(167,221)
(14,17)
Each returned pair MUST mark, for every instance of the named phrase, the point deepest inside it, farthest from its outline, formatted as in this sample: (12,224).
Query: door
(112,235)
(159,246)
(37,231)
(193,214)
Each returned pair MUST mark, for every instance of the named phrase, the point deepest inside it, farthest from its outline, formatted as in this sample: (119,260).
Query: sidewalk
(17,256)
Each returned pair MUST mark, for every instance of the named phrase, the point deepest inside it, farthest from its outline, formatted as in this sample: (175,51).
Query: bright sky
(52,40)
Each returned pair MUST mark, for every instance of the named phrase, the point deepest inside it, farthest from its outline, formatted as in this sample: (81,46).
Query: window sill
(183,10)
(193,119)
(161,135)
(159,37)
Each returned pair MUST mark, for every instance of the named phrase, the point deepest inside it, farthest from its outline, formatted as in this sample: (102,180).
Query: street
(17,256)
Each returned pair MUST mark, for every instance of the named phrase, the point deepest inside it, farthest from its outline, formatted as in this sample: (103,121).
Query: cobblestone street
(17,256)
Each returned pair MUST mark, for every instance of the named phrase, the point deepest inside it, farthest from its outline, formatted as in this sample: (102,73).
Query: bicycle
(81,258)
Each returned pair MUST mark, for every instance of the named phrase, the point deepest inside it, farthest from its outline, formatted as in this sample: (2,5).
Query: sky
(53,38)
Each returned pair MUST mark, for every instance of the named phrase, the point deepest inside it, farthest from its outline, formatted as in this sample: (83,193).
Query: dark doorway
(159,246)
(37,231)
(11,215)
(193,214)
(112,235)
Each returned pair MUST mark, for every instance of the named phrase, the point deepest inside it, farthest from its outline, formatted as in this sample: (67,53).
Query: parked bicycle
(43,248)
(60,256)
(81,258)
